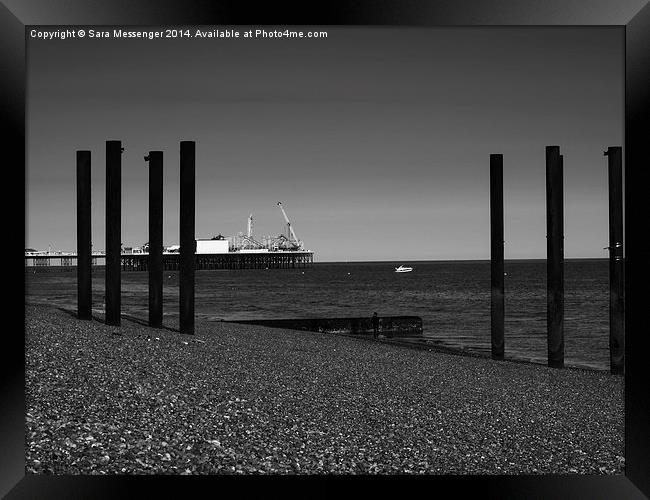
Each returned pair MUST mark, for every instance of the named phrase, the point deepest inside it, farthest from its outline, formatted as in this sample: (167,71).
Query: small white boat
(402,269)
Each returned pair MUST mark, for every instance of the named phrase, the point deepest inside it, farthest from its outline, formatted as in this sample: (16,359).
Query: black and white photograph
(325,250)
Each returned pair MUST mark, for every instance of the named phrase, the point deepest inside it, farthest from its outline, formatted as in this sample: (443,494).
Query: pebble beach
(243,399)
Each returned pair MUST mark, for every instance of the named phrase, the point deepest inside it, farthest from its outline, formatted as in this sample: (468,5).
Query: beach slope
(248,399)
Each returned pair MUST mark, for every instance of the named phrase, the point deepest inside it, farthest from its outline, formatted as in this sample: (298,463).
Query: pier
(171,261)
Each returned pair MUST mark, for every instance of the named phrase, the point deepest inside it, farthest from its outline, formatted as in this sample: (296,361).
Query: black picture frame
(631,15)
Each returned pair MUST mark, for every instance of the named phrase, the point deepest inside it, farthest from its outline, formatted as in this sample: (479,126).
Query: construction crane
(290,230)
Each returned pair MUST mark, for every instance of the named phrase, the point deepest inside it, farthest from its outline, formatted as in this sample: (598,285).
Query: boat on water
(403,269)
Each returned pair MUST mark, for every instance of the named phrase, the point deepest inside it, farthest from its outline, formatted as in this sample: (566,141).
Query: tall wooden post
(155,263)
(84,234)
(616,262)
(496,254)
(187,238)
(554,257)
(113,231)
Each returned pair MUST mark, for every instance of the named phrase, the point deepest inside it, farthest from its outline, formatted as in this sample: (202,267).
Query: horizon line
(449,260)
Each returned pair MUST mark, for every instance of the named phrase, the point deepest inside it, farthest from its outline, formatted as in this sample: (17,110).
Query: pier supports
(155,263)
(113,230)
(616,262)
(187,238)
(84,249)
(496,255)
(555,257)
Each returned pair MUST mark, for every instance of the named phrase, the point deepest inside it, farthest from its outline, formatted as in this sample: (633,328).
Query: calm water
(453,299)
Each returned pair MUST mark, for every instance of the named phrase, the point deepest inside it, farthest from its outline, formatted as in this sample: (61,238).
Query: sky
(376,140)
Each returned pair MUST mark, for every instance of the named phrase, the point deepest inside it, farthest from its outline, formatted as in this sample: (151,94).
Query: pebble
(256,400)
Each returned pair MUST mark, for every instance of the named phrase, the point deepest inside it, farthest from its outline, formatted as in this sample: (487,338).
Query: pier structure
(271,260)
(170,261)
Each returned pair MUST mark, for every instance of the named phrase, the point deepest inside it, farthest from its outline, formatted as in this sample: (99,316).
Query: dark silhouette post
(496,254)
(155,263)
(113,230)
(84,248)
(616,262)
(375,325)
(555,257)
(187,238)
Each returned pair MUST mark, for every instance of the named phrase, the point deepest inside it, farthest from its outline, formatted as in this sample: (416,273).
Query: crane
(293,233)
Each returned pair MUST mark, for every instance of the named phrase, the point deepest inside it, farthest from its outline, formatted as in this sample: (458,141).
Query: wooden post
(113,231)
(616,262)
(554,257)
(496,254)
(84,235)
(155,261)
(187,238)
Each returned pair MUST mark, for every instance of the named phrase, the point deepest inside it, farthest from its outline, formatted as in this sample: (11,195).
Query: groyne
(389,326)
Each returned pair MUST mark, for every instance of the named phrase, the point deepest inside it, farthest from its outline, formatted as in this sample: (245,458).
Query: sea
(451,297)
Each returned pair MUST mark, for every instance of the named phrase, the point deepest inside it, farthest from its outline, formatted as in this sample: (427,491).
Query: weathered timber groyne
(389,326)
